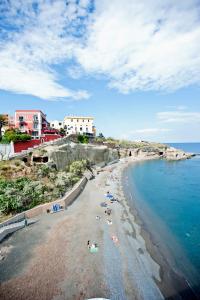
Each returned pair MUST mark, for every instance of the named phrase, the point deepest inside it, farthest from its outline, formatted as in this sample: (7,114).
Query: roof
(29,110)
(78,117)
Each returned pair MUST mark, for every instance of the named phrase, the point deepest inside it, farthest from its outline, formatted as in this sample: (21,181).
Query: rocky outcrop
(168,153)
(65,152)
(64,155)
(176,154)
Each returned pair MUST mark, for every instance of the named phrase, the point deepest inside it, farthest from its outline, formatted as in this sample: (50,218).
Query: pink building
(32,122)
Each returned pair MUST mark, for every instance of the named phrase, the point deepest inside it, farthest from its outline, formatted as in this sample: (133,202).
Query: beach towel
(94,249)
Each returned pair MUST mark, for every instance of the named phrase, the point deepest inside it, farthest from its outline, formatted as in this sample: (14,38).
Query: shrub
(44,171)
(14,135)
(78,167)
(83,139)
(20,194)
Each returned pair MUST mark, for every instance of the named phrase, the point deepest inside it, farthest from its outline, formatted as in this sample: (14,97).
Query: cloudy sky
(133,65)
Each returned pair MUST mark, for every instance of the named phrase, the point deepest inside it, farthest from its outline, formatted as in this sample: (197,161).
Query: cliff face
(63,155)
(176,154)
(168,153)
(65,152)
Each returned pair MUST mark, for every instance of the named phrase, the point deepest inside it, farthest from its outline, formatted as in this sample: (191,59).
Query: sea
(166,195)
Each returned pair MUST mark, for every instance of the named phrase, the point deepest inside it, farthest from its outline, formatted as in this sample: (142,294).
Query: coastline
(52,256)
(173,285)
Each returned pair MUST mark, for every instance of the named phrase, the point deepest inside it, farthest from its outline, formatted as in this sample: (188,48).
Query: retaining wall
(6,150)
(16,218)
(25,145)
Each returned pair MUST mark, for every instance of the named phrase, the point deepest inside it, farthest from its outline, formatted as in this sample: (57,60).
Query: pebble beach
(51,258)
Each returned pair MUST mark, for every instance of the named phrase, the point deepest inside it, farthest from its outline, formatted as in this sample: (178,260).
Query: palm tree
(3,121)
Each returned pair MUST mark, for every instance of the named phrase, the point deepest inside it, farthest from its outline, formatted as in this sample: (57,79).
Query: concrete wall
(4,231)
(25,145)
(6,150)
(17,218)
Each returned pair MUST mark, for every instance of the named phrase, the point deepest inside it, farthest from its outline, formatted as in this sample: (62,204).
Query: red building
(33,122)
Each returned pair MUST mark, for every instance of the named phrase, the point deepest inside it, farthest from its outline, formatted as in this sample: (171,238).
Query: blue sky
(134,66)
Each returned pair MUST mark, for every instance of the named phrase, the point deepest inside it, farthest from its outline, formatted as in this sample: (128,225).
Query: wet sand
(51,260)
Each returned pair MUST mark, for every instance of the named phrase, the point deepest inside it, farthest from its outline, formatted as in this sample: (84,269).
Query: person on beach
(108,211)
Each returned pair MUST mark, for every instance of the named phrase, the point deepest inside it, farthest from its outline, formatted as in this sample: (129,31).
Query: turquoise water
(168,194)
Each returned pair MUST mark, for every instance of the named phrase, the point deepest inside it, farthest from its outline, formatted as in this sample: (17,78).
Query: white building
(79,125)
(56,124)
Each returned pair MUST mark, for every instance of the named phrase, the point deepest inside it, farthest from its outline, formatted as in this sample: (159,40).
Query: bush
(83,139)
(20,194)
(23,193)
(78,167)
(15,136)
(44,171)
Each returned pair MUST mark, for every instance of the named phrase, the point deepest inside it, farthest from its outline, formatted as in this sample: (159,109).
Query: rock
(176,154)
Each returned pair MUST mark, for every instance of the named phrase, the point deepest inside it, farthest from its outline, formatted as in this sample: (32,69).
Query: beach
(51,259)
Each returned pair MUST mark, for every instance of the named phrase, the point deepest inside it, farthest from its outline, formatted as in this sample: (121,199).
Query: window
(86,129)
(34,133)
(83,120)
(35,117)
(88,120)
(52,125)
(81,128)
(35,125)
(77,120)
(71,120)
(21,118)
(60,124)
(65,127)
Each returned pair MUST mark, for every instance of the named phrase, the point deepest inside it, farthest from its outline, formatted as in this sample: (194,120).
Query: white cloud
(42,38)
(144,45)
(179,117)
(137,45)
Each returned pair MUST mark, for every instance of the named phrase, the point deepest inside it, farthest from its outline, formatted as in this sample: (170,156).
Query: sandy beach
(51,259)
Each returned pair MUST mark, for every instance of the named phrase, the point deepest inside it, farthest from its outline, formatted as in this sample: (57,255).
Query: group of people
(93,247)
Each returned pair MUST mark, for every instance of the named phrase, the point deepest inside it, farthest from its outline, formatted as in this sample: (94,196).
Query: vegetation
(14,135)
(23,187)
(62,132)
(129,144)
(84,139)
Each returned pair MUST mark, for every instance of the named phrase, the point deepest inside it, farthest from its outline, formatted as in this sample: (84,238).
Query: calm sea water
(167,195)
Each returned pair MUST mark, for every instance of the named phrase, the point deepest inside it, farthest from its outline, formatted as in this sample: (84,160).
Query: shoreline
(51,258)
(173,284)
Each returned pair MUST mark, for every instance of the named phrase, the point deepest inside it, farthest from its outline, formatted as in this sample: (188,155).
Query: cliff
(63,155)
(176,154)
(65,152)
